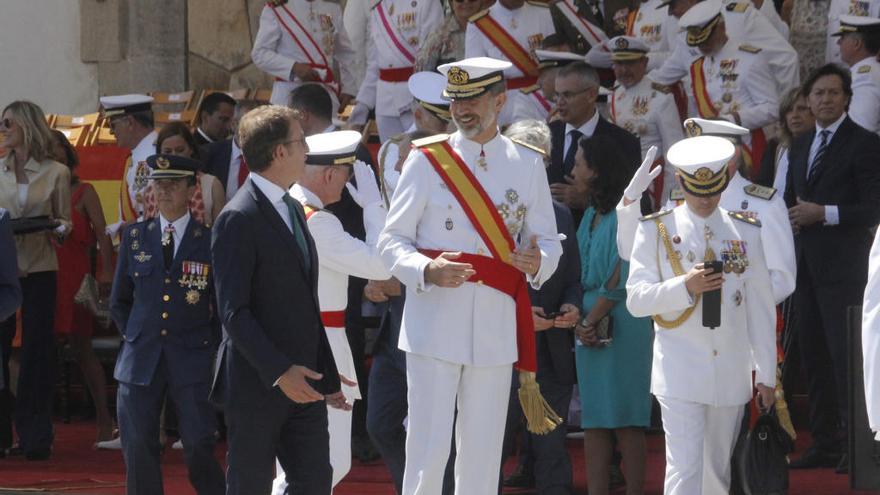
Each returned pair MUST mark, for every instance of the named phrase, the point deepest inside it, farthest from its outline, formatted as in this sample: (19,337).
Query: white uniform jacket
(528,25)
(654,26)
(751,201)
(411,21)
(837,8)
(692,362)
(472,324)
(871,338)
(275,50)
(339,256)
(648,110)
(137,182)
(744,25)
(864,107)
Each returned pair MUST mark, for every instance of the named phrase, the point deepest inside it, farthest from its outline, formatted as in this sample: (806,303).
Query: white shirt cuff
(832,216)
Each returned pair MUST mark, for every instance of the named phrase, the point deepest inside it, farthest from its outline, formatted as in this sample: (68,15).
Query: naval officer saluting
(162,303)
(467,309)
(703,376)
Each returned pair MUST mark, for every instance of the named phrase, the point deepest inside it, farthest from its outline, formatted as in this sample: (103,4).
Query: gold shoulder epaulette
(479,15)
(538,3)
(529,89)
(759,191)
(661,88)
(742,218)
(658,214)
(529,146)
(738,7)
(436,138)
(864,69)
(749,48)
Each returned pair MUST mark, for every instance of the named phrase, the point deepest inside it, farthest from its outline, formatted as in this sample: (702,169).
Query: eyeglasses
(301,141)
(6,123)
(567,95)
(346,169)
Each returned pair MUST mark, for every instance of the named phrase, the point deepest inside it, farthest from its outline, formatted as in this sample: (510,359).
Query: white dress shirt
(204,136)
(587,129)
(832,216)
(179,228)
(276,194)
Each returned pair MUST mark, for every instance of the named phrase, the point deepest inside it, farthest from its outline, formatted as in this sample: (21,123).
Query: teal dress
(614,381)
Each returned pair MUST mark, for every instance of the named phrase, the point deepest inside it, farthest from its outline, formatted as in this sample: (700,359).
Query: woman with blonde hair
(35,187)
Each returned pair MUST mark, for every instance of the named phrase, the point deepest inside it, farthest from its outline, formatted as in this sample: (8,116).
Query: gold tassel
(540,417)
(782,413)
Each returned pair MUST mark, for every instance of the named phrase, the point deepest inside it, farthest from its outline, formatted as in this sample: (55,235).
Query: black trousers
(821,327)
(33,402)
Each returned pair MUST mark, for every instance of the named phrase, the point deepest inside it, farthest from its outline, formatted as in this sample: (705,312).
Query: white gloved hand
(359,115)
(643,176)
(367,190)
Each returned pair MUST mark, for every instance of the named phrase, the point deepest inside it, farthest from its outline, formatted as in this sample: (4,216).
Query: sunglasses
(6,123)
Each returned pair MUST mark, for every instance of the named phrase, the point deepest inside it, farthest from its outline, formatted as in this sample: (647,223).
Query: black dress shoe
(815,458)
(38,454)
(14,451)
(520,479)
(843,465)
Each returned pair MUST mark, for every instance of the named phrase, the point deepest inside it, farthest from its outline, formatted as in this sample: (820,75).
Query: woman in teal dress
(614,378)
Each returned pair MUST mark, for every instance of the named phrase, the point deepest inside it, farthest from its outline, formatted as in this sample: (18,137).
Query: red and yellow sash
(323,63)
(511,49)
(495,272)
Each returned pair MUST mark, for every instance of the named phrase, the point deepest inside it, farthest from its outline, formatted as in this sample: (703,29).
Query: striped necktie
(823,146)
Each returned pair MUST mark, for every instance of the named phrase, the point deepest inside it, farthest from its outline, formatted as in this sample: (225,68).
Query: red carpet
(76,468)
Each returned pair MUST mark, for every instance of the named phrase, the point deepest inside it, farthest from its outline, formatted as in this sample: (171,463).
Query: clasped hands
(444,271)
(294,385)
(568,318)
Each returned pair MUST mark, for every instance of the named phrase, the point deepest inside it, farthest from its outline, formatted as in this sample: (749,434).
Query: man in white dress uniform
(871,339)
(460,323)
(702,376)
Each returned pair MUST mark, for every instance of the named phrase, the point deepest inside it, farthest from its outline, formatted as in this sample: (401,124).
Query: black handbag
(760,458)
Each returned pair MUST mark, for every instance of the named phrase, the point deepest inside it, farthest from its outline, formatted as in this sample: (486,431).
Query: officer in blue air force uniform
(162,304)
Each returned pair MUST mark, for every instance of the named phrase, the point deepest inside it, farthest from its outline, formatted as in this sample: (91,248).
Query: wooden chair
(78,136)
(103,136)
(262,95)
(182,100)
(70,121)
(186,116)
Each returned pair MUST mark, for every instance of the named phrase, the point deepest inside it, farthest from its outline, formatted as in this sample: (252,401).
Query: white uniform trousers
(391,126)
(699,444)
(481,394)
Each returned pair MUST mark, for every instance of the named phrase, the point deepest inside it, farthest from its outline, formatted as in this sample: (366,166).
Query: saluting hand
(444,272)
(701,279)
(294,385)
(528,259)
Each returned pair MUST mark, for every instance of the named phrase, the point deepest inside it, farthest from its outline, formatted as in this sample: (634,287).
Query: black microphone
(712,299)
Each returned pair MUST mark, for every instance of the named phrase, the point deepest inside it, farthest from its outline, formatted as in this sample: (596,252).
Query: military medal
(142,257)
(727,97)
(691,256)
(737,298)
(192,296)
(135,245)
(449,224)
(744,205)
(481,161)
(133,232)
(734,256)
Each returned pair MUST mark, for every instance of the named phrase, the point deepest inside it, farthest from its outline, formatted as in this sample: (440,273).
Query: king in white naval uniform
(859,42)
(511,30)
(397,29)
(643,107)
(761,203)
(461,337)
(702,376)
(329,164)
(301,41)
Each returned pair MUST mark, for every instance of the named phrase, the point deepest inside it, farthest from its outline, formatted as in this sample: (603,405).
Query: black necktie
(568,161)
(168,246)
(297,227)
(823,146)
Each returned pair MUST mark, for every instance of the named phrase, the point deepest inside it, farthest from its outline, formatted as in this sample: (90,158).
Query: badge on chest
(194,276)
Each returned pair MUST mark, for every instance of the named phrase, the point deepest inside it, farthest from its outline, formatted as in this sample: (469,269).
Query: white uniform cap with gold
(858,24)
(332,148)
(552,58)
(702,164)
(702,127)
(427,88)
(626,48)
(700,20)
(470,77)
(126,104)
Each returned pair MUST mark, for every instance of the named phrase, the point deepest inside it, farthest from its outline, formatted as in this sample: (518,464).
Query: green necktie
(298,233)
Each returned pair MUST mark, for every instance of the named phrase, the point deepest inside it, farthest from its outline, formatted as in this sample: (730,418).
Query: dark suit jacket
(629,143)
(180,328)
(267,303)
(10,289)
(200,140)
(555,346)
(616,12)
(215,158)
(848,176)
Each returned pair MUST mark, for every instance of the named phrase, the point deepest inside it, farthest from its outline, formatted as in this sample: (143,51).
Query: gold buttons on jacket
(167,280)
(165,315)
(166,298)
(163,332)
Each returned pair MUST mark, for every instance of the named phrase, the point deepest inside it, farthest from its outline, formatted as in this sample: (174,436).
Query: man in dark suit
(223,159)
(215,118)
(833,194)
(162,303)
(275,369)
(577,87)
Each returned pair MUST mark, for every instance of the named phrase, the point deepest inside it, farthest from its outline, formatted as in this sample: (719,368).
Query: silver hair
(580,69)
(531,131)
